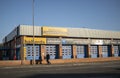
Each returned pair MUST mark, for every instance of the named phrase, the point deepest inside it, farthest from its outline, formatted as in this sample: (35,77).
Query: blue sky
(94,14)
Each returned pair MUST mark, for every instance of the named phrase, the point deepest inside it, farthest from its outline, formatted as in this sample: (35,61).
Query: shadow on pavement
(93,75)
(117,68)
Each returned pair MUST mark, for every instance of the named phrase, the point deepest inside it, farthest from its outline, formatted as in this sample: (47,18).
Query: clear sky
(94,14)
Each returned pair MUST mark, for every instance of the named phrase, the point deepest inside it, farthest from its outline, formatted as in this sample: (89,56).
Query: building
(1,50)
(60,43)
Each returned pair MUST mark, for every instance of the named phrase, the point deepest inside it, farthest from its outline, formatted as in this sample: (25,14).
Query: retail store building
(60,43)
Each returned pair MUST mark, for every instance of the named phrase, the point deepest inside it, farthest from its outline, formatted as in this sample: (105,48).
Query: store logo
(53,31)
(36,42)
(29,40)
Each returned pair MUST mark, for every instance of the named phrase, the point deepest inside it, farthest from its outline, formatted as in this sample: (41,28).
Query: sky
(93,14)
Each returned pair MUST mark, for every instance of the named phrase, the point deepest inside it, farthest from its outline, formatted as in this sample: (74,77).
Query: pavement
(62,64)
(67,70)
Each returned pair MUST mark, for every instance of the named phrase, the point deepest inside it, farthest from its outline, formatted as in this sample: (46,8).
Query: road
(76,70)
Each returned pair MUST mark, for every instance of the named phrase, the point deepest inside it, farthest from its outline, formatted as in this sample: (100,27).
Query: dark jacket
(48,56)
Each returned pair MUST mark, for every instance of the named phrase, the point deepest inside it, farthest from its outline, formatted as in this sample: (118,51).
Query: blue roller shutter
(67,52)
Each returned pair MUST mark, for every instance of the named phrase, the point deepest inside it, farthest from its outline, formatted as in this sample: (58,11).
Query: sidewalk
(58,61)
(57,65)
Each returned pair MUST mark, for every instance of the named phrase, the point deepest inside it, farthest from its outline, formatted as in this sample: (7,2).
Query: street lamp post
(33,37)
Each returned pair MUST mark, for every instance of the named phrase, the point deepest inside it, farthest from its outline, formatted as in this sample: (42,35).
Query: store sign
(100,42)
(29,40)
(115,42)
(75,41)
(97,42)
(52,31)
(53,41)
(106,41)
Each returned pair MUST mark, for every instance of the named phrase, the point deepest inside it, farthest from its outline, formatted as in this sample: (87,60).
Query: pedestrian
(47,59)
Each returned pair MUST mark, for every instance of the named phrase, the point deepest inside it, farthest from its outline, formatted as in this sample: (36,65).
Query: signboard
(53,41)
(100,42)
(97,42)
(87,41)
(37,40)
(75,41)
(52,31)
(106,41)
(115,42)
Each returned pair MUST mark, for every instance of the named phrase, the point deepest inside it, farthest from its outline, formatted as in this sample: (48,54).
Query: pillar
(14,58)
(112,50)
(22,50)
(88,48)
(112,47)
(60,51)
(88,54)
(100,50)
(43,51)
(60,48)
(74,51)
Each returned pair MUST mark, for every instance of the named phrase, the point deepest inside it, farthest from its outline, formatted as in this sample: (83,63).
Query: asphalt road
(76,70)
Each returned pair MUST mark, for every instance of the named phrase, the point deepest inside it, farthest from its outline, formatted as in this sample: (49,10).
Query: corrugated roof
(72,32)
(93,33)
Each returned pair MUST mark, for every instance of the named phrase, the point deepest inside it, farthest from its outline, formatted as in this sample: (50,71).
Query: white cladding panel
(72,32)
(28,30)
(92,33)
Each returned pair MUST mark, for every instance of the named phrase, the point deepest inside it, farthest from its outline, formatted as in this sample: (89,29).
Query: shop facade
(61,43)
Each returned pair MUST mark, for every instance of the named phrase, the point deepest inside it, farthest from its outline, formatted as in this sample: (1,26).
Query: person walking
(47,59)
(40,59)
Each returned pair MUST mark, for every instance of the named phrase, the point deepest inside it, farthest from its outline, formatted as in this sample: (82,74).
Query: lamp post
(33,36)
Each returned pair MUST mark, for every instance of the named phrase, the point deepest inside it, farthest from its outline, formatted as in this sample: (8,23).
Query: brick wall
(9,63)
(27,62)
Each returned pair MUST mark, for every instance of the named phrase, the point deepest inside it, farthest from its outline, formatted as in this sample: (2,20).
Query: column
(100,50)
(22,50)
(112,50)
(60,51)
(60,48)
(14,48)
(74,51)
(88,48)
(88,54)
(43,51)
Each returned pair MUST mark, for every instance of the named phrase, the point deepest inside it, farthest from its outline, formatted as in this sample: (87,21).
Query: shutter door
(116,51)
(30,52)
(105,51)
(80,51)
(66,52)
(94,51)
(52,51)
